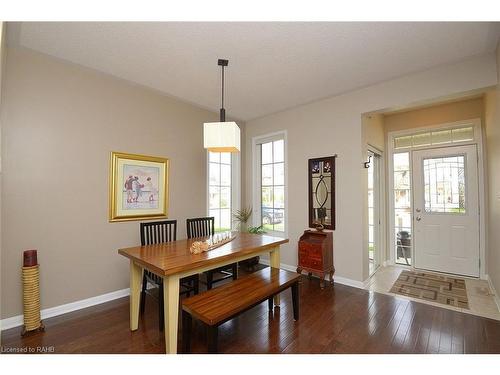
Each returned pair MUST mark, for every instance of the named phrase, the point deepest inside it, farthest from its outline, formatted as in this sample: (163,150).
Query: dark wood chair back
(200,227)
(158,232)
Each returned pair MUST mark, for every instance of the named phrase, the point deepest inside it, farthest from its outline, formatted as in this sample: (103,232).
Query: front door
(446,210)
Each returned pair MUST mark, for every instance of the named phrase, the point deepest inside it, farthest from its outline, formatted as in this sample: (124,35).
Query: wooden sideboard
(316,254)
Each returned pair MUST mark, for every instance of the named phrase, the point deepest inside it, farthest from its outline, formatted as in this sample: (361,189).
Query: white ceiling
(272,66)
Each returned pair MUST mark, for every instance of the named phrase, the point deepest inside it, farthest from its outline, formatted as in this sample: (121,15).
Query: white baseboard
(338,279)
(17,321)
(492,288)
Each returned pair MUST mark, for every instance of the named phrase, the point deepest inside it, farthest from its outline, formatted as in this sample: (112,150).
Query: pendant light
(223,136)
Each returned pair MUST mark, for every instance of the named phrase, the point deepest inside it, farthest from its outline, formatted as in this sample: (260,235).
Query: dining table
(174,260)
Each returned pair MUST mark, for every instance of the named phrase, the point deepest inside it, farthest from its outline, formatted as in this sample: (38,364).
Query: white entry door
(446,210)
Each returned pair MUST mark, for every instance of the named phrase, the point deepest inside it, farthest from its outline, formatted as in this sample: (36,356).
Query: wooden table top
(174,257)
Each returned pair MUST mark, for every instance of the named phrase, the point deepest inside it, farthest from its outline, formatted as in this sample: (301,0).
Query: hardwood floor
(341,319)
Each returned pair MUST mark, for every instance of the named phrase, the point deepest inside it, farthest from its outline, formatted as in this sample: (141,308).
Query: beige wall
(373,130)
(60,122)
(333,126)
(492,115)
(434,115)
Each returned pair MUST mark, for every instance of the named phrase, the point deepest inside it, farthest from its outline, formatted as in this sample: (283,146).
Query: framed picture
(321,175)
(138,187)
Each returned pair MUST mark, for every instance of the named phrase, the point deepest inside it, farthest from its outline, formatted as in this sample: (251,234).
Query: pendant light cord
(222,63)
(222,106)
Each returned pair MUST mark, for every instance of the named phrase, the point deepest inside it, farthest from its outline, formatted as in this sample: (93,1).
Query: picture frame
(138,187)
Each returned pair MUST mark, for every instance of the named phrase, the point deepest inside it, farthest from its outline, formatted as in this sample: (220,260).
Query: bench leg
(210,278)
(234,271)
(270,302)
(295,300)
(196,284)
(212,338)
(187,324)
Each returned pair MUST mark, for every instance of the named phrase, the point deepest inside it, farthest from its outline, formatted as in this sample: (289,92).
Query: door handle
(418,210)
(418,218)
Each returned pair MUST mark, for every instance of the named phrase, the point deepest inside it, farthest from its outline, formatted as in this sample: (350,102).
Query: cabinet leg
(331,276)
(309,275)
(322,281)
(299,270)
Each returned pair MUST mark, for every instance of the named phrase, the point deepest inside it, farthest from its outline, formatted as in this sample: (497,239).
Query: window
(270,183)
(435,137)
(444,180)
(220,192)
(402,207)
(371,210)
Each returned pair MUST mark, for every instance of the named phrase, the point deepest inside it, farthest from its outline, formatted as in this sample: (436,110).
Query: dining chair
(203,227)
(154,233)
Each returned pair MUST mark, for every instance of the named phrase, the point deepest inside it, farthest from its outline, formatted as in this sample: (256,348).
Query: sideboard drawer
(315,254)
(311,250)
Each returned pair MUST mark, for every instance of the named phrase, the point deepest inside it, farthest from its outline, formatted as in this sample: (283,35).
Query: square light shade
(221,136)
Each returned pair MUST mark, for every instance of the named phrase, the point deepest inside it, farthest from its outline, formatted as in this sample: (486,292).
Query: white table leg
(135,294)
(274,261)
(171,312)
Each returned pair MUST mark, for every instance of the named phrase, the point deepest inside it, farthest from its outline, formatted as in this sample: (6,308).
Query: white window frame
(478,141)
(381,254)
(235,185)
(257,179)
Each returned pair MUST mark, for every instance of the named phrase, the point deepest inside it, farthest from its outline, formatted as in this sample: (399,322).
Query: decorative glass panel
(444,184)
(463,134)
(441,137)
(435,137)
(402,142)
(423,139)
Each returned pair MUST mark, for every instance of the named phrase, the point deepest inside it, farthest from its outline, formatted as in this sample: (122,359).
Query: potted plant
(241,217)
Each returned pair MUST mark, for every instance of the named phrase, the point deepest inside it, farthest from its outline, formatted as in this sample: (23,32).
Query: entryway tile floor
(481,298)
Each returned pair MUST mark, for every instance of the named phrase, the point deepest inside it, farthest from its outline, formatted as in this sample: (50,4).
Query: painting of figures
(138,187)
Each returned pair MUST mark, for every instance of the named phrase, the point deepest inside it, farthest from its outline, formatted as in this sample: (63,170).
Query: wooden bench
(219,305)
